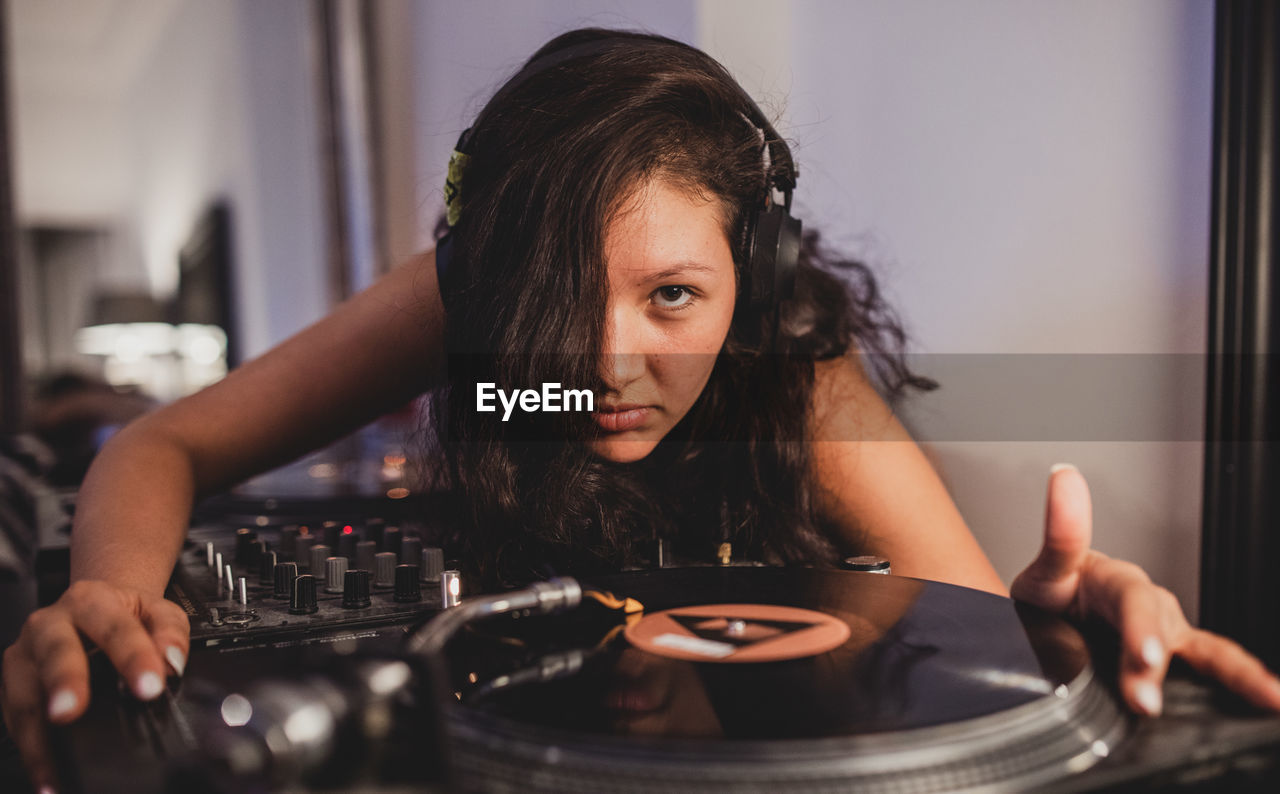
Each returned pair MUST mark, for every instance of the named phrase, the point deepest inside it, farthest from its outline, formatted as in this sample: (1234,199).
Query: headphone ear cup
(775,252)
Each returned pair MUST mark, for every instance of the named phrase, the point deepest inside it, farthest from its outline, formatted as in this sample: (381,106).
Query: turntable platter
(931,687)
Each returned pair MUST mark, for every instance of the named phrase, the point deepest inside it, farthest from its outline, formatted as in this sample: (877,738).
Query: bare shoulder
(845,405)
(876,489)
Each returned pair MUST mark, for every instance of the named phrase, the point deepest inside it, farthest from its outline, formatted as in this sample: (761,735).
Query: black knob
(288,541)
(302,551)
(365,552)
(391,540)
(244,537)
(285,573)
(347,544)
(253,554)
(267,569)
(331,530)
(355,589)
(407,586)
(373,529)
(303,599)
(411,551)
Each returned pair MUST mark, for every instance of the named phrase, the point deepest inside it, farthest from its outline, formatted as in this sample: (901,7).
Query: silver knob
(319,553)
(335,570)
(384,574)
(432,565)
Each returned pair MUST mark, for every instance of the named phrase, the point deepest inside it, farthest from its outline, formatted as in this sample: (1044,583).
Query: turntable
(730,678)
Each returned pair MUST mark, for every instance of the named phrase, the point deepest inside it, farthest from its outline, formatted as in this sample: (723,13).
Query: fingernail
(1057,467)
(62,703)
(148,686)
(1148,695)
(176,660)
(1152,652)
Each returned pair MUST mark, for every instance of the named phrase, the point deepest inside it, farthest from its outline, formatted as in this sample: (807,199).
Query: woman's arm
(877,488)
(374,353)
(881,493)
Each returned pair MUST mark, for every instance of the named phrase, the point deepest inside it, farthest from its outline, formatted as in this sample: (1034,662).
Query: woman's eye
(672,297)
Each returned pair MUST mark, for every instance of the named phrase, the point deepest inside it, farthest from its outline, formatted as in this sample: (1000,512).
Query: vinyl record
(838,680)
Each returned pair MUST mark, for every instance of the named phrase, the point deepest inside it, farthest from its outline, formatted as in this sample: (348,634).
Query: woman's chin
(623,450)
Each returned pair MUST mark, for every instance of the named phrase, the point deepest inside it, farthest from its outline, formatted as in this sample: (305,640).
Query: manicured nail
(1057,467)
(62,703)
(1148,695)
(1152,652)
(176,660)
(148,686)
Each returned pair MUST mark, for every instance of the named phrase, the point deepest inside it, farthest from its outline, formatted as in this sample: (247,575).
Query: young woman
(608,208)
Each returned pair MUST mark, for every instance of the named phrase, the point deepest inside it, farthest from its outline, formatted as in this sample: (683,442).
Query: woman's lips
(621,418)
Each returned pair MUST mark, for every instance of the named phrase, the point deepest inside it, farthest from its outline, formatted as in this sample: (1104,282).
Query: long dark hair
(552,158)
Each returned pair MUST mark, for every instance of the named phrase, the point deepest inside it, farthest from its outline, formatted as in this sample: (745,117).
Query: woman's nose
(623,354)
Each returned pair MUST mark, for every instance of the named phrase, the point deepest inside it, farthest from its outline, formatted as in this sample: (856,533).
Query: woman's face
(672,290)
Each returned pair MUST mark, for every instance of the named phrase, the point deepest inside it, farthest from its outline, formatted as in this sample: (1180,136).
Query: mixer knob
(244,536)
(867,563)
(302,551)
(411,551)
(391,540)
(302,600)
(450,589)
(365,552)
(355,589)
(407,585)
(335,569)
(384,569)
(432,564)
(347,544)
(330,532)
(319,553)
(253,554)
(285,573)
(288,542)
(373,530)
(267,569)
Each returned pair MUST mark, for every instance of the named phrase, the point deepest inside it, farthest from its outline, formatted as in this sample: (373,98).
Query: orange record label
(737,633)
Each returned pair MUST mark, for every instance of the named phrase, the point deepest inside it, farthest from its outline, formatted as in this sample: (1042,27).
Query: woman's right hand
(46,671)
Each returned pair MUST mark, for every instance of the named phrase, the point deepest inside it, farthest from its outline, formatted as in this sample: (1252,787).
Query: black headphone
(772,236)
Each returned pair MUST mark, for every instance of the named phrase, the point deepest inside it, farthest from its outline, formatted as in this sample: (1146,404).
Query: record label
(738,633)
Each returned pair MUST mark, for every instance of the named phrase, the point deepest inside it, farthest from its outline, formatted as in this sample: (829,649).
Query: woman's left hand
(1071,578)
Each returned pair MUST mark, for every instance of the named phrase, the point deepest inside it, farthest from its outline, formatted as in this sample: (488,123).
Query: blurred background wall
(1029,180)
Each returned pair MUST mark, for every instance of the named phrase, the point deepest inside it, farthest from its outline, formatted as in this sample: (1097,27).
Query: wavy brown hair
(553,157)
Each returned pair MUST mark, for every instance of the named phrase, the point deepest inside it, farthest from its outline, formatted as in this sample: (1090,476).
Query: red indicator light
(347,530)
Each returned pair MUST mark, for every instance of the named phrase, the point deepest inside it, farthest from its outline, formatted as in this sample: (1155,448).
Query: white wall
(215,103)
(464,51)
(1028,178)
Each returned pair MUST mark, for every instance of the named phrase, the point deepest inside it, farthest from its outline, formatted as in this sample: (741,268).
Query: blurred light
(236,710)
(397,493)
